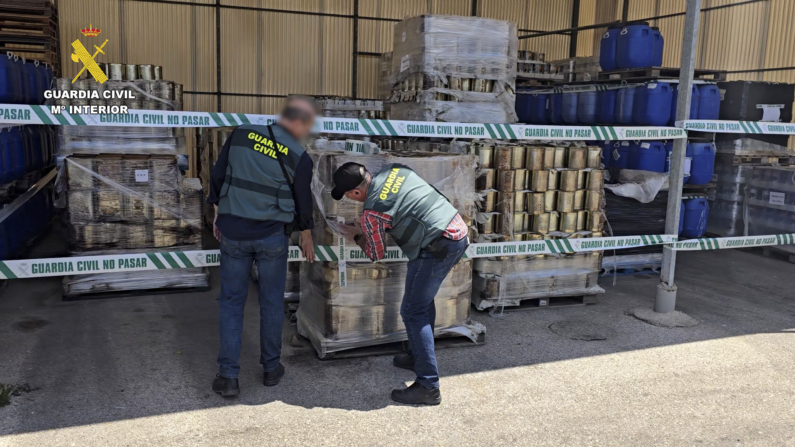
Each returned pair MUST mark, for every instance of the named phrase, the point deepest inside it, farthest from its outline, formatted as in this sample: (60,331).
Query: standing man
(431,234)
(260,187)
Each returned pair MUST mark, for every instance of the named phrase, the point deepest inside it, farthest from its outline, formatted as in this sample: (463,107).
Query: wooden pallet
(131,293)
(544,303)
(781,252)
(441,342)
(629,271)
(38,27)
(762,160)
(41,8)
(652,73)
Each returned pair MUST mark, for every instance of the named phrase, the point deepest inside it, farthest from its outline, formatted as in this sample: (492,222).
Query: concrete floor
(137,371)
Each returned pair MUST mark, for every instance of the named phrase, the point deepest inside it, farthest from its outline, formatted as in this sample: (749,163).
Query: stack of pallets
(29,29)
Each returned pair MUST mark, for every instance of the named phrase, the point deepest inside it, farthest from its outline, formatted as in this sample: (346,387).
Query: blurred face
(299,118)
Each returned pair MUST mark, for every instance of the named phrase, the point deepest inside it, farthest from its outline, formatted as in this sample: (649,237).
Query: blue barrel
(36,83)
(696,215)
(625,100)
(28,82)
(606,107)
(652,105)
(523,107)
(669,147)
(16,153)
(539,105)
(587,105)
(555,110)
(681,217)
(694,100)
(569,111)
(703,164)
(635,47)
(619,155)
(657,49)
(607,48)
(607,149)
(6,174)
(648,156)
(708,102)
(10,81)
(46,80)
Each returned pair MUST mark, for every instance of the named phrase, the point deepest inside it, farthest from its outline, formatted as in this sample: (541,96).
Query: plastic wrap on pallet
(120,140)
(367,311)
(442,70)
(726,218)
(751,147)
(129,202)
(464,47)
(507,281)
(454,112)
(452,175)
(770,204)
(644,261)
(130,281)
(385,75)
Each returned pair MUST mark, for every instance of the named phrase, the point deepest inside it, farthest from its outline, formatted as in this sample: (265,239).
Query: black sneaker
(416,394)
(225,386)
(405,361)
(272,378)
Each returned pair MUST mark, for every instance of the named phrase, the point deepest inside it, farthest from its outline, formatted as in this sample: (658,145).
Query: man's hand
(360,241)
(216,233)
(305,241)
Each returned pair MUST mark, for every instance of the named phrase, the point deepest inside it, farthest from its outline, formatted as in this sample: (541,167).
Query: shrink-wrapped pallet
(365,311)
(509,280)
(127,204)
(454,69)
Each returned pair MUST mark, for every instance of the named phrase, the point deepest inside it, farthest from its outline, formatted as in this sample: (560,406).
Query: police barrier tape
(35,114)
(83,265)
(752,127)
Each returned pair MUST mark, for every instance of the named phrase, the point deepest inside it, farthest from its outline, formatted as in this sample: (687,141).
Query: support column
(665,300)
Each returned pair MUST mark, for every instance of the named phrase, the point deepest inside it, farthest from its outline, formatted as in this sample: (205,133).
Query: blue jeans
(423,280)
(270,254)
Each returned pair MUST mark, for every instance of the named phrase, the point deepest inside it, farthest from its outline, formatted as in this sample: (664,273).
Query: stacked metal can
(533,193)
(532,62)
(149,94)
(540,192)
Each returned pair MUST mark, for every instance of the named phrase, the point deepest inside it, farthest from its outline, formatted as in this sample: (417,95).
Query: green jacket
(420,214)
(255,186)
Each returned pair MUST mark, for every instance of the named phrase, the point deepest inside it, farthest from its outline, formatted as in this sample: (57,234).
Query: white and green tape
(11,114)
(720,243)
(84,265)
(746,127)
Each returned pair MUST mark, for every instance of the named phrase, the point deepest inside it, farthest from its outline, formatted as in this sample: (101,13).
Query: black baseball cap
(347,177)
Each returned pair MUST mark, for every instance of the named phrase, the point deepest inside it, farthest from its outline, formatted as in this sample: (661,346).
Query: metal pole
(354,81)
(218,51)
(575,22)
(665,300)
(474,8)
(625,11)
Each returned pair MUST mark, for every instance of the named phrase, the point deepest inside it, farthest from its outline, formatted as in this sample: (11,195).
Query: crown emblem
(90,31)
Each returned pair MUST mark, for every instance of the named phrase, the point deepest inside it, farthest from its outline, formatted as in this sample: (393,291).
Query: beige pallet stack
(536,193)
(454,69)
(365,312)
(117,204)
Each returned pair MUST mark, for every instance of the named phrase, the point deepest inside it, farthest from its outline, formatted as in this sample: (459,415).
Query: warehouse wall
(278,53)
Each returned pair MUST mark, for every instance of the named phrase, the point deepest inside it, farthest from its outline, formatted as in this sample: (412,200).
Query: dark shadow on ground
(106,360)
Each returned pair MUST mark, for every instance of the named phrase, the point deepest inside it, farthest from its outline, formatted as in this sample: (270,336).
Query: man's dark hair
(292,113)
